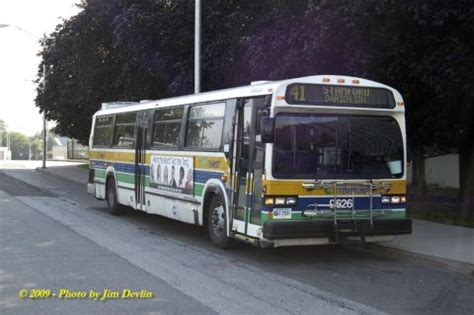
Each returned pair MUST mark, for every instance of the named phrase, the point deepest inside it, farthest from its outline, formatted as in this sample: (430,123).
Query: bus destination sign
(337,95)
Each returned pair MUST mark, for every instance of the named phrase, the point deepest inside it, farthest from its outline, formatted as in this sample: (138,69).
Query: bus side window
(124,135)
(103,131)
(204,126)
(167,127)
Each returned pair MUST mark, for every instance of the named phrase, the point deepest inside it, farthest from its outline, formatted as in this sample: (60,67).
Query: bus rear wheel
(111,195)
(217,223)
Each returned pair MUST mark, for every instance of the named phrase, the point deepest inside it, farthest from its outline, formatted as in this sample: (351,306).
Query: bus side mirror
(267,127)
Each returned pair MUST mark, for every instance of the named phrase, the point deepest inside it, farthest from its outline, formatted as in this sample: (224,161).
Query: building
(5,154)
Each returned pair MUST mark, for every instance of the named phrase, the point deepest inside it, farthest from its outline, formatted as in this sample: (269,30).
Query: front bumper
(276,229)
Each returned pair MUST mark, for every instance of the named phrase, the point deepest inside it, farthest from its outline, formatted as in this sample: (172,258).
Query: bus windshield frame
(337,147)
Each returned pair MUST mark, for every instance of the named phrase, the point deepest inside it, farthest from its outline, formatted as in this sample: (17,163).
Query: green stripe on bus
(99,173)
(125,178)
(198,189)
(122,177)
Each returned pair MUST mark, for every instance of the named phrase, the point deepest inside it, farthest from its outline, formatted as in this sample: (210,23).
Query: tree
(119,50)
(19,145)
(81,67)
(3,135)
(425,50)
(422,49)
(37,144)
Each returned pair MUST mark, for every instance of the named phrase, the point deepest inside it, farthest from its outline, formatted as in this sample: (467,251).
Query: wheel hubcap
(218,219)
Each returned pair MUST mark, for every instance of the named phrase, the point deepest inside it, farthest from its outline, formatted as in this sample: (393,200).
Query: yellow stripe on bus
(282,187)
(211,163)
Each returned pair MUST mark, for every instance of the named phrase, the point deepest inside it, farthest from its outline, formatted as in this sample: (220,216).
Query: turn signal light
(269,201)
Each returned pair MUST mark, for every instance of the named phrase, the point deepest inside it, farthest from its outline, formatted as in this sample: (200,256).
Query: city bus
(305,161)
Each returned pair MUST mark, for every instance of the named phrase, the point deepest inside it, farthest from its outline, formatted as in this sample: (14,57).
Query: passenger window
(167,127)
(103,131)
(125,130)
(204,128)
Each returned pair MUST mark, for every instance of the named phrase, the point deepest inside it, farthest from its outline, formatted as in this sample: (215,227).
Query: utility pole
(45,127)
(197,47)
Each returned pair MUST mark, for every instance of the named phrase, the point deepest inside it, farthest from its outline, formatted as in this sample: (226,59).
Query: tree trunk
(466,174)
(418,171)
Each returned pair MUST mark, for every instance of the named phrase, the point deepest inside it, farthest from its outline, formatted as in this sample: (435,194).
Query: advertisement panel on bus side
(172,173)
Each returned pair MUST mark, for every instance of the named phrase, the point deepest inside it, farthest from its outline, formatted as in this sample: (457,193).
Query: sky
(18,57)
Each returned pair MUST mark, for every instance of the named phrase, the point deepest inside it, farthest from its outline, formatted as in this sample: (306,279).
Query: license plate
(281,213)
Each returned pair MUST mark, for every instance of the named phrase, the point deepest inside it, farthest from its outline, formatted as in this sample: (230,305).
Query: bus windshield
(320,146)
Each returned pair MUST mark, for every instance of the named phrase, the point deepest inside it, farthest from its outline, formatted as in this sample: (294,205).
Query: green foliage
(19,145)
(118,50)
(3,135)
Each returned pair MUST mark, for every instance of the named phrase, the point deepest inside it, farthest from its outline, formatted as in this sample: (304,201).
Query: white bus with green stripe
(306,161)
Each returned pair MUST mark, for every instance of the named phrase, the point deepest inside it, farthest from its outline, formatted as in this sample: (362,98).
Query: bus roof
(258,88)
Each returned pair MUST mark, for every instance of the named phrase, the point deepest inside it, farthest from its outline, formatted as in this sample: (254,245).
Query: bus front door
(248,170)
(140,161)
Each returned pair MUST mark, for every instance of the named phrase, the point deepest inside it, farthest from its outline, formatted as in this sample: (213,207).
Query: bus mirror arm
(267,127)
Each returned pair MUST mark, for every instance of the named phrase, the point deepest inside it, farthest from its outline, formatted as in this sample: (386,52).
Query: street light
(45,129)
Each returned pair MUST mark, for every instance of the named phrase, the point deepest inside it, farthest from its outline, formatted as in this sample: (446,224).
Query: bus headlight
(280,201)
(395,199)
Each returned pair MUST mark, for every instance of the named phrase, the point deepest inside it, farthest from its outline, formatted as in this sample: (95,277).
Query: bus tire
(217,222)
(111,196)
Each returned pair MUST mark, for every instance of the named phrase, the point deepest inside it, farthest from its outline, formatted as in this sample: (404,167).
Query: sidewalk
(69,171)
(438,240)
(433,239)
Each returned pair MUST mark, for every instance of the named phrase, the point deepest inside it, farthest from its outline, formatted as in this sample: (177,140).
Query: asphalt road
(53,235)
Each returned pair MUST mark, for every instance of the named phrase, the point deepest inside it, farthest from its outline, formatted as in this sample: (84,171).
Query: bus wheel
(217,223)
(114,207)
